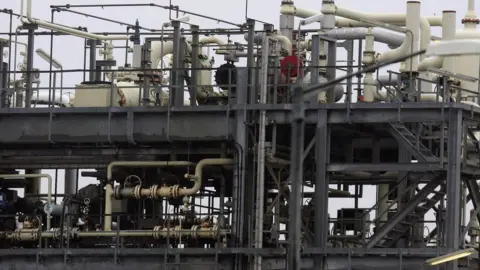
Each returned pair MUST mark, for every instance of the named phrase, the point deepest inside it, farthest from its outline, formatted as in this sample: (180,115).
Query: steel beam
(322,156)
(399,216)
(454,152)
(381,167)
(296,176)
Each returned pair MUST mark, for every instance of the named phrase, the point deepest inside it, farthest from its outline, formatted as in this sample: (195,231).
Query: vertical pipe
(241,139)
(252,96)
(413,25)
(195,64)
(261,151)
(449,28)
(70,184)
(331,71)
(29,75)
(93,59)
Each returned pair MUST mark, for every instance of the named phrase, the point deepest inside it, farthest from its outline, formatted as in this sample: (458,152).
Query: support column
(176,83)
(146,66)
(33,184)
(403,157)
(195,65)
(3,75)
(28,79)
(70,185)
(322,156)
(92,74)
(331,71)
(454,150)
(252,93)
(296,176)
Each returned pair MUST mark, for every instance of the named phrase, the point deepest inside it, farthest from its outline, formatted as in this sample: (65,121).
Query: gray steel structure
(325,143)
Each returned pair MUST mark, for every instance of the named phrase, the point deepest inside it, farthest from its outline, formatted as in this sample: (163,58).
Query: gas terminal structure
(233,161)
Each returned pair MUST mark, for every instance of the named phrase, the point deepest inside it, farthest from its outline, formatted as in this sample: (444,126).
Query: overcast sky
(69,50)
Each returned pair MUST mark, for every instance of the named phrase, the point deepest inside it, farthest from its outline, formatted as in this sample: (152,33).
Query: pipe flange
(117,193)
(156,234)
(174,191)
(56,233)
(214,231)
(74,232)
(470,20)
(153,192)
(194,230)
(26,235)
(177,230)
(136,191)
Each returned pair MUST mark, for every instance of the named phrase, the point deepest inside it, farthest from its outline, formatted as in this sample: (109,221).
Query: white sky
(69,50)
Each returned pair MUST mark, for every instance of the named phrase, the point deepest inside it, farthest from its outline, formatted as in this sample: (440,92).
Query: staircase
(411,219)
(403,135)
(413,211)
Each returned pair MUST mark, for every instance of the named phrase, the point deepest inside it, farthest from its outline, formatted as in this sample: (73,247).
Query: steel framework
(426,144)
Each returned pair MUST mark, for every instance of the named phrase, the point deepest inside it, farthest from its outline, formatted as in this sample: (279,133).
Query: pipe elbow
(402,50)
(287,44)
(431,62)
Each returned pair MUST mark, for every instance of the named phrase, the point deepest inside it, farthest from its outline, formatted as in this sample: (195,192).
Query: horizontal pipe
(159,232)
(63,29)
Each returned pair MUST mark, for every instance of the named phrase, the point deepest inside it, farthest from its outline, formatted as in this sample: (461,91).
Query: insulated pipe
(413,25)
(285,41)
(215,40)
(380,35)
(62,29)
(448,33)
(394,19)
(33,176)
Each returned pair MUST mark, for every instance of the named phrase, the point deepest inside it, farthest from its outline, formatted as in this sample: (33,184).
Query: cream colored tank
(125,94)
(466,65)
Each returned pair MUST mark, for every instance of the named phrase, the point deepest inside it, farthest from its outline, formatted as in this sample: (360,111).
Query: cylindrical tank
(467,65)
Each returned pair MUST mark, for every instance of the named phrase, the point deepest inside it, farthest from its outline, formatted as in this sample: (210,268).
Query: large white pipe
(413,25)
(380,35)
(160,49)
(394,19)
(285,41)
(62,29)
(448,33)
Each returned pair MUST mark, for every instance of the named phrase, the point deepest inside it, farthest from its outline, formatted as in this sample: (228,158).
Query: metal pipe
(158,232)
(51,26)
(172,191)
(29,74)
(33,176)
(261,152)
